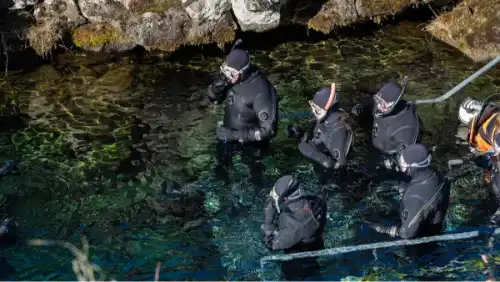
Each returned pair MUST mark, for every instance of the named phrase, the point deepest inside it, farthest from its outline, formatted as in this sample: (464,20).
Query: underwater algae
(103,138)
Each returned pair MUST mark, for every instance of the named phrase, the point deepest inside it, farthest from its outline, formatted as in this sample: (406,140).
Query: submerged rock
(473,27)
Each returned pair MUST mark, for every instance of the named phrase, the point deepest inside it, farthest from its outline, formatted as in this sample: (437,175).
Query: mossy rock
(100,36)
(335,13)
(154,6)
(472,27)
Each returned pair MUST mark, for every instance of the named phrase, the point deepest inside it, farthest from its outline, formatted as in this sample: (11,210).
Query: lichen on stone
(473,27)
(101,36)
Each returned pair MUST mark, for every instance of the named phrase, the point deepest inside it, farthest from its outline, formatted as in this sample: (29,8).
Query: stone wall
(119,25)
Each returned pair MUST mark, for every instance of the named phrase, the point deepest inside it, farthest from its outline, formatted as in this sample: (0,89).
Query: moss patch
(154,6)
(96,36)
(386,7)
(473,27)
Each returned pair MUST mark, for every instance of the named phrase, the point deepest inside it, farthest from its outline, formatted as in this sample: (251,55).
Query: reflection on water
(108,138)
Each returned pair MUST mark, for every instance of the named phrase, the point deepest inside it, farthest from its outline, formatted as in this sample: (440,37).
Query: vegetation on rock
(473,27)
(98,36)
(336,13)
(43,37)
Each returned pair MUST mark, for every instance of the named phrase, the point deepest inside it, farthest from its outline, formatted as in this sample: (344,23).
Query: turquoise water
(104,133)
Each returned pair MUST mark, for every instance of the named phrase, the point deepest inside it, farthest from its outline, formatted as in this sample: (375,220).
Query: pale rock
(257,15)
(206,10)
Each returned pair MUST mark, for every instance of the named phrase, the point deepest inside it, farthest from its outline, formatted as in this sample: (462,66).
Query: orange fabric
(479,142)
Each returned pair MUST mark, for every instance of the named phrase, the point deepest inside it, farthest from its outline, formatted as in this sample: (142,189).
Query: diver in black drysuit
(396,124)
(8,237)
(298,227)
(250,117)
(332,136)
(424,200)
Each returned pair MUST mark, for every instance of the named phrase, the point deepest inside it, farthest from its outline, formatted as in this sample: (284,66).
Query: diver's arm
(217,91)
(265,106)
(269,212)
(338,150)
(311,152)
(294,232)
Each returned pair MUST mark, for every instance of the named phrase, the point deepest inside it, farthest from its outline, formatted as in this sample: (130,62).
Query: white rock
(257,15)
(21,4)
(206,10)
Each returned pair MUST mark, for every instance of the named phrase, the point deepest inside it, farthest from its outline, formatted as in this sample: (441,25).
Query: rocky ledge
(473,27)
(119,25)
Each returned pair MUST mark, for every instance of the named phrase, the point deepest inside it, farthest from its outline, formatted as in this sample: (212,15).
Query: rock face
(118,25)
(335,13)
(257,15)
(473,27)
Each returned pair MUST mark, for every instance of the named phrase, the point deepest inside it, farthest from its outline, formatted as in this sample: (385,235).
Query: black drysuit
(331,141)
(250,121)
(394,131)
(300,227)
(423,205)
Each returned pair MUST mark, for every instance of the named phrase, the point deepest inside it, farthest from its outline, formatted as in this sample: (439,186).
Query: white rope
(349,249)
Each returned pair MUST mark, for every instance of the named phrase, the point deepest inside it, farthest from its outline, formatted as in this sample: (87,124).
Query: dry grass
(43,37)
(82,267)
(473,27)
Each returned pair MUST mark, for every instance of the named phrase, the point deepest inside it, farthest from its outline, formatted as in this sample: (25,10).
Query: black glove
(293,130)
(269,231)
(225,134)
(217,89)
(495,218)
(395,189)
(381,228)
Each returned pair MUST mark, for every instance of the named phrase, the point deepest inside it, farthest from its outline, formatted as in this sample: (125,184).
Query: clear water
(86,171)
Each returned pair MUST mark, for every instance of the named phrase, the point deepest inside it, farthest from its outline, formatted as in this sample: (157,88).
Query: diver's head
(235,65)
(387,98)
(414,157)
(8,231)
(323,101)
(287,188)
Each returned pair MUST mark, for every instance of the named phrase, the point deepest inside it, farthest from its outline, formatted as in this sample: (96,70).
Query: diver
(297,227)
(424,200)
(8,237)
(250,117)
(480,124)
(395,126)
(480,129)
(332,135)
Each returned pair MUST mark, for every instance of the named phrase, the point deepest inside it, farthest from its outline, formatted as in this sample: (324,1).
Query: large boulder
(257,15)
(337,13)
(165,31)
(17,4)
(206,10)
(473,27)
(65,10)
